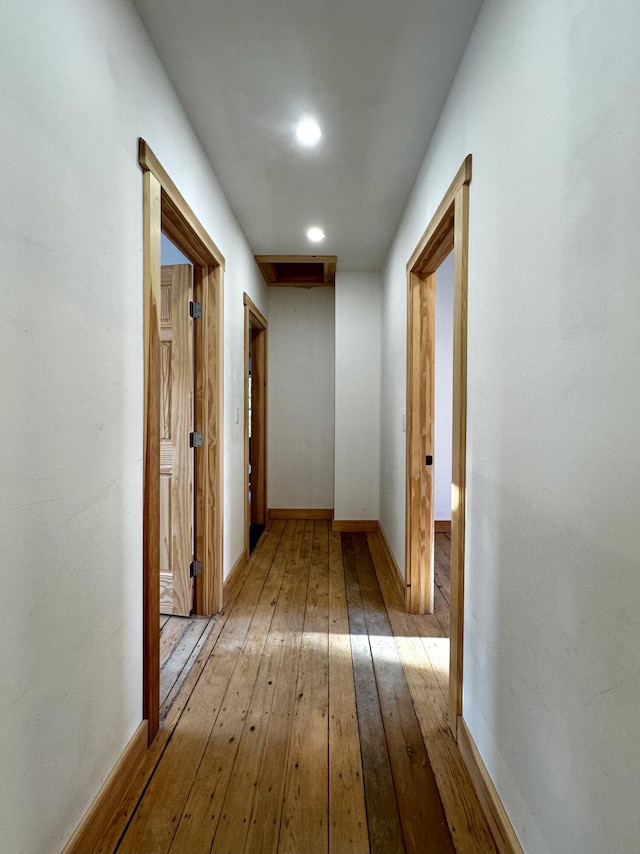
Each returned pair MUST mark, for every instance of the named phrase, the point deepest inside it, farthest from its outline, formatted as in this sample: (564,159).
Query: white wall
(443,391)
(357,429)
(80,84)
(547,102)
(301,393)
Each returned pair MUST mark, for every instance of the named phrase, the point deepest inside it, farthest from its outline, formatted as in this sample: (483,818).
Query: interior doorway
(447,232)
(255,421)
(166,211)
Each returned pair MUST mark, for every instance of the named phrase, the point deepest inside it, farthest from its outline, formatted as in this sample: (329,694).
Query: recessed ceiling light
(308,131)
(315,234)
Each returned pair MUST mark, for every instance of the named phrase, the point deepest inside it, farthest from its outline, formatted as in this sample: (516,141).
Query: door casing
(255,334)
(165,210)
(447,231)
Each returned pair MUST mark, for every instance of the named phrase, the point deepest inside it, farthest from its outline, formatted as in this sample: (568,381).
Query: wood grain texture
(164,208)
(304,824)
(90,830)
(442,526)
(420,439)
(385,831)
(259,426)
(424,654)
(208,340)
(348,832)
(174,706)
(305,271)
(255,431)
(448,228)
(189,233)
(506,840)
(152,298)
(181,225)
(176,457)
(179,644)
(422,817)
(156,819)
(236,569)
(395,569)
(421,252)
(459,450)
(239,706)
(347,526)
(266,814)
(203,807)
(283,513)
(235,817)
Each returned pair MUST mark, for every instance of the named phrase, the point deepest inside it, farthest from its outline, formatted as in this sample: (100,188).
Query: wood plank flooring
(181,639)
(313,718)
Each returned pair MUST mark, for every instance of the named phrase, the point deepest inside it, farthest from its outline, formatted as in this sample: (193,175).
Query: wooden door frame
(448,229)
(254,320)
(165,210)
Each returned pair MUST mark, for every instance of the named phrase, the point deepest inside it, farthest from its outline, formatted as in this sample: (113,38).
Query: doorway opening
(255,423)
(166,211)
(447,232)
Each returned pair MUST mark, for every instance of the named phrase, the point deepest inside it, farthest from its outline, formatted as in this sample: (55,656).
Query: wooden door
(176,455)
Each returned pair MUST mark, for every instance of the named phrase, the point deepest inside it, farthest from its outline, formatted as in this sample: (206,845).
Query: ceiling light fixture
(308,131)
(315,234)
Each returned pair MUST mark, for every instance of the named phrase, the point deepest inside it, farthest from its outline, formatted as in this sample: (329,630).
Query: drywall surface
(443,391)
(546,100)
(357,429)
(80,84)
(301,393)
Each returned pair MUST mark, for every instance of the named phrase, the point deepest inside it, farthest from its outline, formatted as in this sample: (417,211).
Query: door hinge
(195,310)
(428,461)
(195,440)
(195,568)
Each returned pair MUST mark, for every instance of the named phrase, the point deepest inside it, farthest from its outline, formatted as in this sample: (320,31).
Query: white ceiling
(375,74)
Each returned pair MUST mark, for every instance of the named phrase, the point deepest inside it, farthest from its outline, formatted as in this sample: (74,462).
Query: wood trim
(393,564)
(273,267)
(164,208)
(259,319)
(151,455)
(94,822)
(236,569)
(459,452)
(255,332)
(416,262)
(448,228)
(493,808)
(442,526)
(354,526)
(309,515)
(420,572)
(209,459)
(192,238)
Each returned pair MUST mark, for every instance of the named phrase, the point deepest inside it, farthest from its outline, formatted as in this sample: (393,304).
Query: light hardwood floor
(312,720)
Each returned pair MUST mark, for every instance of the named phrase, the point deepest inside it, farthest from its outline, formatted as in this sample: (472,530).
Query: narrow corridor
(313,719)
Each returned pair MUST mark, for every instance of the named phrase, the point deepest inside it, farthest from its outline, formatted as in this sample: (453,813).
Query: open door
(176,455)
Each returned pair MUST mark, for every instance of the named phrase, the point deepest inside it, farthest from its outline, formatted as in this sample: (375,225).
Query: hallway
(303,723)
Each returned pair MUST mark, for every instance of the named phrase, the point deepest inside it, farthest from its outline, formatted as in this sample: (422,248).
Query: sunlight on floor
(433,650)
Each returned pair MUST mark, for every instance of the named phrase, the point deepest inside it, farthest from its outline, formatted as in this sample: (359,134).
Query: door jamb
(165,209)
(448,229)
(254,320)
